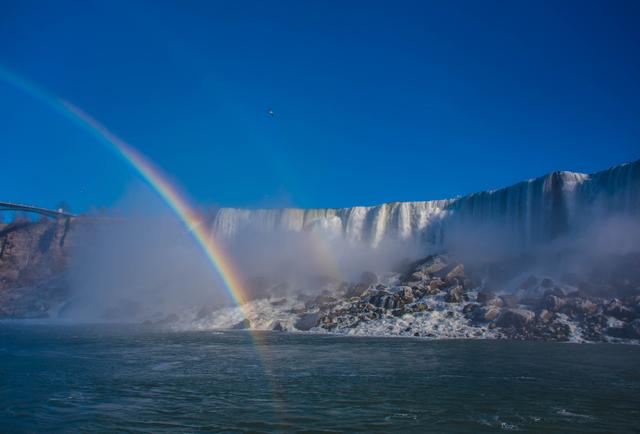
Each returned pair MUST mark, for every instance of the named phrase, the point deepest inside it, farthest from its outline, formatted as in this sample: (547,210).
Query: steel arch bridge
(58,214)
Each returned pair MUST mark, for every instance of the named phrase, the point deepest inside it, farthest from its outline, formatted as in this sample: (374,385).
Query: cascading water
(526,213)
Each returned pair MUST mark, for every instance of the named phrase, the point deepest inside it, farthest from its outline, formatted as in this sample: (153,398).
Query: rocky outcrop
(33,259)
(439,291)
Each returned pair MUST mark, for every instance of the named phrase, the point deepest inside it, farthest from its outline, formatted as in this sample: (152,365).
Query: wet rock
(456,272)
(496,302)
(553,303)
(308,321)
(325,299)
(421,307)
(490,313)
(242,325)
(486,314)
(517,318)
(434,286)
(578,307)
(418,276)
(278,327)
(432,265)
(357,290)
(379,298)
(455,295)
(403,291)
(545,315)
(628,331)
(618,310)
(470,307)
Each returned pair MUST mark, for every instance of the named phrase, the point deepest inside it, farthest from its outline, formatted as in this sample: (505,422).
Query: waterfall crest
(529,212)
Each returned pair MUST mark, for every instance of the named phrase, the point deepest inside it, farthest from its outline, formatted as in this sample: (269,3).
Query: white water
(529,212)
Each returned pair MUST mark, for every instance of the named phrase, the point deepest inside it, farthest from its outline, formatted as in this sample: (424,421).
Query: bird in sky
(270,112)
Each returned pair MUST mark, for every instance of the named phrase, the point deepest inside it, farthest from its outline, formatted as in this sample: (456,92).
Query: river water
(80,378)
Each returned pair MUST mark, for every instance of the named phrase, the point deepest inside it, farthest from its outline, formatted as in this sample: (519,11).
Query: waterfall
(529,212)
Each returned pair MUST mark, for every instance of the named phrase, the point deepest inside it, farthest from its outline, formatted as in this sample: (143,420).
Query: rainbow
(151,175)
(176,201)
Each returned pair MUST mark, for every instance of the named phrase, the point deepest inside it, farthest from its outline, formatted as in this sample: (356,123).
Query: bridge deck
(8,206)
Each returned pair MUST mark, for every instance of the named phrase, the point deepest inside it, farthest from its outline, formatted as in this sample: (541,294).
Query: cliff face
(527,213)
(33,258)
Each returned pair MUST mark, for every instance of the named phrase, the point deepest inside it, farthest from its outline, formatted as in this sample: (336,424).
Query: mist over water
(139,261)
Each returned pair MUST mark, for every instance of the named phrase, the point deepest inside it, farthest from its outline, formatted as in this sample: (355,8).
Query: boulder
(242,325)
(278,327)
(469,309)
(496,302)
(433,265)
(517,318)
(486,314)
(357,290)
(491,313)
(434,286)
(421,307)
(628,331)
(456,272)
(618,310)
(455,294)
(325,299)
(579,307)
(545,315)
(308,321)
(418,276)
(553,303)
(402,291)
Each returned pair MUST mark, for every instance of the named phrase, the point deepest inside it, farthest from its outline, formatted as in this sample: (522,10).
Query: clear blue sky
(374,101)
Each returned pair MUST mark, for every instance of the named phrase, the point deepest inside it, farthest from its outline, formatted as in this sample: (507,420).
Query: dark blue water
(90,378)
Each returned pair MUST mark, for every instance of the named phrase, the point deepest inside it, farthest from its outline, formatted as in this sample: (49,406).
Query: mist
(135,261)
(139,261)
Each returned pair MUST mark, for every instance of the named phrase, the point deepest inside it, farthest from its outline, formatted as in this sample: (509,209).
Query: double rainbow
(153,176)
